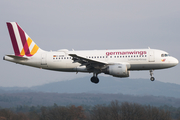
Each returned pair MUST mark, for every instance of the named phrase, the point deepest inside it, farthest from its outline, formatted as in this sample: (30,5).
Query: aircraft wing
(89,63)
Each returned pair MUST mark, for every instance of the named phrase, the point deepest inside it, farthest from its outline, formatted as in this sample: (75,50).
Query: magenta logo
(126,53)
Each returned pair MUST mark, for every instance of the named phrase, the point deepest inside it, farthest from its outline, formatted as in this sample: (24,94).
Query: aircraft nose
(175,61)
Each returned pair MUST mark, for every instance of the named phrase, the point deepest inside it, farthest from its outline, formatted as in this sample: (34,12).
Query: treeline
(114,111)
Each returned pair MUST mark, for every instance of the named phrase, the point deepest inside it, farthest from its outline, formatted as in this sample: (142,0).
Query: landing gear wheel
(95,79)
(151,74)
(152,78)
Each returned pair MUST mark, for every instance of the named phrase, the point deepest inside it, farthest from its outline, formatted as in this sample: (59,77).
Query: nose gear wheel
(151,74)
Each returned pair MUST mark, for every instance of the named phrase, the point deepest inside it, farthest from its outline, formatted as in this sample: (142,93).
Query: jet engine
(117,70)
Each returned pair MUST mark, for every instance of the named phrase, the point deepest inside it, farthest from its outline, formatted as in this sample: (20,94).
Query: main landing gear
(151,74)
(94,78)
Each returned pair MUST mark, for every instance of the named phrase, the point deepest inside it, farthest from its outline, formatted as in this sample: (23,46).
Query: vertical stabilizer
(21,42)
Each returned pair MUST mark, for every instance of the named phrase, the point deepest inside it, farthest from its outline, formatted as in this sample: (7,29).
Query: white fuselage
(137,59)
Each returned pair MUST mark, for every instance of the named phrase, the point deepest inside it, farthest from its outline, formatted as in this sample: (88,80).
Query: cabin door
(44,59)
(151,56)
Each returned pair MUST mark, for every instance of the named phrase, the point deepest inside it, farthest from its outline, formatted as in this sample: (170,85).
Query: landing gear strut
(151,74)
(94,78)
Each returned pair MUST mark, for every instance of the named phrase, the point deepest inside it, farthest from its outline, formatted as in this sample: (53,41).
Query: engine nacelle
(117,70)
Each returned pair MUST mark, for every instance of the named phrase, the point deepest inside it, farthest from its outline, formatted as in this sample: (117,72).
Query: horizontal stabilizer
(17,57)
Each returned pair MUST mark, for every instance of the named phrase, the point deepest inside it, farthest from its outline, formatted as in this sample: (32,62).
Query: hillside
(112,85)
(82,91)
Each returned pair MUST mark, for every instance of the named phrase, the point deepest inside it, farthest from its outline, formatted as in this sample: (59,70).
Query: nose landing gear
(151,74)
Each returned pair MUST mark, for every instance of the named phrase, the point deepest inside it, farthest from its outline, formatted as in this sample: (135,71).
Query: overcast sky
(92,24)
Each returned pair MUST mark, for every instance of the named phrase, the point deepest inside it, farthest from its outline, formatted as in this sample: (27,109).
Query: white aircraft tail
(21,42)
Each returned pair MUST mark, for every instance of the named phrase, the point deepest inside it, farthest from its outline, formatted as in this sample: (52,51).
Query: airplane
(117,62)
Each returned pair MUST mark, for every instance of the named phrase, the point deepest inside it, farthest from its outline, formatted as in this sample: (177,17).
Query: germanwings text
(126,53)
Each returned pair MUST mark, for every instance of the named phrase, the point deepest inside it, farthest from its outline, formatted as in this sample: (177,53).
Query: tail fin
(21,42)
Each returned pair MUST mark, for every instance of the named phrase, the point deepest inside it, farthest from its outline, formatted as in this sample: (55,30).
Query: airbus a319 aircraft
(118,62)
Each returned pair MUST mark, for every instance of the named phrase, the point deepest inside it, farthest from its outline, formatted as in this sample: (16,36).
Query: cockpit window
(164,55)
